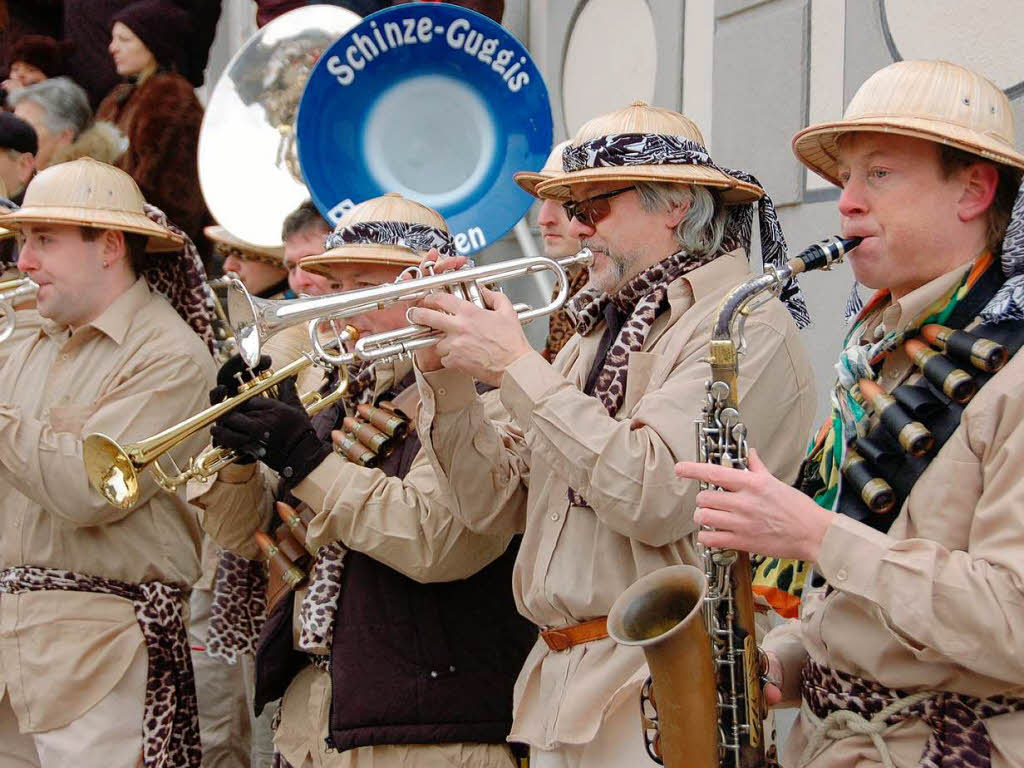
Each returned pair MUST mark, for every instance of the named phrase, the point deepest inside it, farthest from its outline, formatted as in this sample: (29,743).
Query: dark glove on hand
(227,377)
(277,431)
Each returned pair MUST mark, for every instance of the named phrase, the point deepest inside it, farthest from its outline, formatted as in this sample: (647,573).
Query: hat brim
(361,253)
(732,190)
(160,239)
(817,146)
(219,234)
(528,181)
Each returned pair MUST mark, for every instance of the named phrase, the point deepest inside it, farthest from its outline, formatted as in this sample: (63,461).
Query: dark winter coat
(161,119)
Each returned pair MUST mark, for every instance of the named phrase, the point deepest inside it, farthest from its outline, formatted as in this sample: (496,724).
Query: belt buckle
(556,640)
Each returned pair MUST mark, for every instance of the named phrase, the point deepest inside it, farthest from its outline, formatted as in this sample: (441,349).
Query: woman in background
(157,110)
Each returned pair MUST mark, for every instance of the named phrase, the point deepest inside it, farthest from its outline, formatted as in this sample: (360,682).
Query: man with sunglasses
(584,467)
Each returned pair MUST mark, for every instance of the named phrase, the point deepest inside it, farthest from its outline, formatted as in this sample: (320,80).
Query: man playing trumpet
(584,469)
(907,650)
(402,646)
(94,657)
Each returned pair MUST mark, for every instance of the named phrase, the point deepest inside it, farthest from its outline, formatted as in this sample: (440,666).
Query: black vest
(928,405)
(411,663)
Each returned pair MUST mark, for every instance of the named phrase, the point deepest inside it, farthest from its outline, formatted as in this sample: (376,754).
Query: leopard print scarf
(641,300)
(181,278)
(170,719)
(958,736)
(320,603)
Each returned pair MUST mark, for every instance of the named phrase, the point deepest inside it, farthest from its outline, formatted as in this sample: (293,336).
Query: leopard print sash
(320,604)
(642,299)
(238,608)
(170,720)
(958,738)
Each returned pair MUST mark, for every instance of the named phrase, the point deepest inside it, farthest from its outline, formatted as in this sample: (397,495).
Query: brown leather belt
(564,638)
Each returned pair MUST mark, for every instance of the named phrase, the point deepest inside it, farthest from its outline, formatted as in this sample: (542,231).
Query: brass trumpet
(10,292)
(255,319)
(114,469)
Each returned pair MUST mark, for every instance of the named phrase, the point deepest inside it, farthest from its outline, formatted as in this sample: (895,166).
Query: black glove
(227,377)
(277,431)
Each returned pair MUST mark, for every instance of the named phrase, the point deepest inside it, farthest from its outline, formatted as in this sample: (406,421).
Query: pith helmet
(933,100)
(639,118)
(529,180)
(227,242)
(89,193)
(390,229)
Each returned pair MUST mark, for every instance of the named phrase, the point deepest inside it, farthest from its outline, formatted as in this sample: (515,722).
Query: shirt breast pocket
(638,378)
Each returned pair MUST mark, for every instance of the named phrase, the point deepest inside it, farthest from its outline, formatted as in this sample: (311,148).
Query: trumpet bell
(243,315)
(111,470)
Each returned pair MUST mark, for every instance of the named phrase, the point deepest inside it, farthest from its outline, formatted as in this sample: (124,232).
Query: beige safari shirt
(405,523)
(130,373)
(574,562)
(938,602)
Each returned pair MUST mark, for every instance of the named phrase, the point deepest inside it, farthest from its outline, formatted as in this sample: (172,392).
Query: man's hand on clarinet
(756,512)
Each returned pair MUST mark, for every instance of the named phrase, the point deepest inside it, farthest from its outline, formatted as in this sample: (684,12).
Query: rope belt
(839,705)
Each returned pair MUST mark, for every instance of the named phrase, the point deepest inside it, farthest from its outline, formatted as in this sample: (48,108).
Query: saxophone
(696,626)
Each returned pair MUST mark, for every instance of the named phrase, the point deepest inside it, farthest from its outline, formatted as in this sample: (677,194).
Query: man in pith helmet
(584,468)
(94,656)
(907,646)
(402,645)
(558,243)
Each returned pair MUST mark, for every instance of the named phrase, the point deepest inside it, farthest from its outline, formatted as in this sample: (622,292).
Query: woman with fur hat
(157,109)
(35,58)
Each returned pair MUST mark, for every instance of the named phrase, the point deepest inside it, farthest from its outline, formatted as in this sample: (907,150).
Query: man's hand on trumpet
(276,430)
(482,342)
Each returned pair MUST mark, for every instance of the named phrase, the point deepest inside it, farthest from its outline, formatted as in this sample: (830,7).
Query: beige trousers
(618,743)
(231,736)
(107,736)
(419,756)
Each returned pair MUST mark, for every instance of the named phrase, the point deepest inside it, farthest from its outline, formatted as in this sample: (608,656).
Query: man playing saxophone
(907,649)
(584,468)
(94,666)
(403,645)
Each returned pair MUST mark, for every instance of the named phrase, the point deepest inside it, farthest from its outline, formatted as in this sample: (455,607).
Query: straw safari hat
(222,238)
(373,233)
(528,180)
(933,100)
(89,193)
(638,117)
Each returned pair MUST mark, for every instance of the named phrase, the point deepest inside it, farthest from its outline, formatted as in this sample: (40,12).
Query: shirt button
(442,391)
(65,357)
(841,574)
(554,516)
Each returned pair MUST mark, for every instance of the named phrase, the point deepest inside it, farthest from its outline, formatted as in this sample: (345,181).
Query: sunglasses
(593,209)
